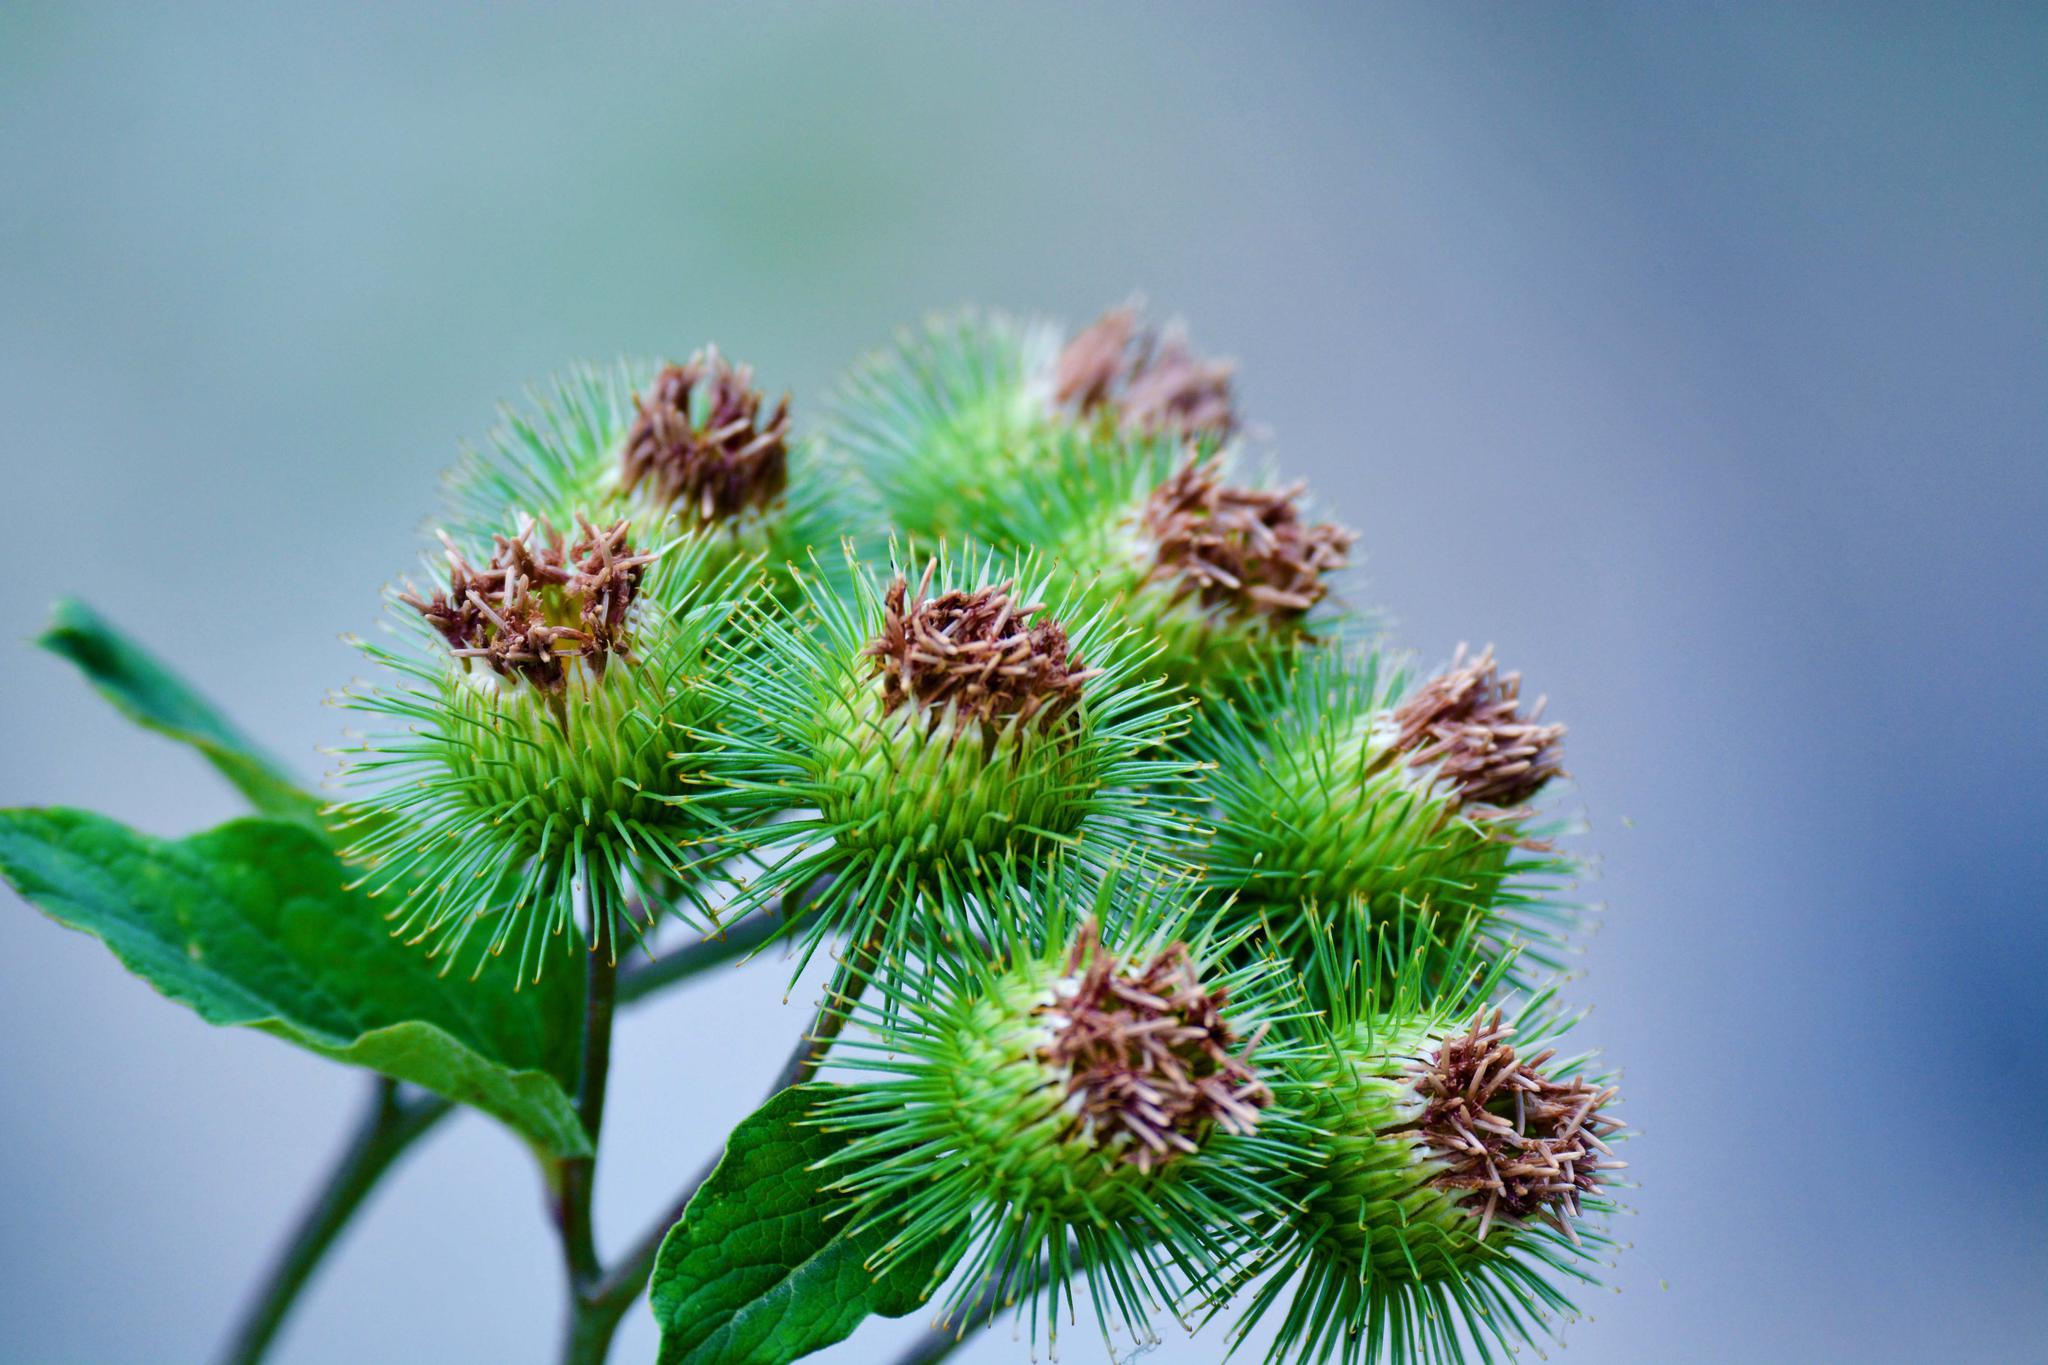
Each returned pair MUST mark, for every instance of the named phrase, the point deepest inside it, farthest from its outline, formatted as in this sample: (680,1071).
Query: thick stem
(643,979)
(372,1150)
(623,1283)
(572,1180)
(389,1125)
(849,981)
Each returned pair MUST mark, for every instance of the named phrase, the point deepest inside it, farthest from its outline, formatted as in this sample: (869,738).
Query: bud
(1340,805)
(918,738)
(951,424)
(688,449)
(1458,1163)
(1106,1092)
(701,445)
(541,759)
(1220,579)
(1131,376)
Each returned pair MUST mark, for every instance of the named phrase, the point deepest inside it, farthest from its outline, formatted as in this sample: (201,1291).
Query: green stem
(573,1180)
(389,1125)
(642,980)
(622,1284)
(372,1150)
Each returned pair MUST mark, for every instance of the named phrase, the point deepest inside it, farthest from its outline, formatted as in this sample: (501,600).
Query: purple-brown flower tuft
(1146,1052)
(978,651)
(735,459)
(1242,549)
(1515,1142)
(542,600)
(1468,724)
(1149,383)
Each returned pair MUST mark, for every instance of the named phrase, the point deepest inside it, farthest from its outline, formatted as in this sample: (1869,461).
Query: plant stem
(849,981)
(573,1180)
(621,1285)
(390,1124)
(643,979)
(371,1151)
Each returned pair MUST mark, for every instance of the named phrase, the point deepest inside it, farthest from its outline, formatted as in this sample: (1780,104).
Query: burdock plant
(1195,962)
(1346,797)
(931,732)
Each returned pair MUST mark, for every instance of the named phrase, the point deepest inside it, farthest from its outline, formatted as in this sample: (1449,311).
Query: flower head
(1453,1171)
(1512,1140)
(1341,804)
(691,449)
(916,741)
(701,441)
(1468,726)
(1148,1060)
(981,653)
(1092,1102)
(1218,576)
(1144,381)
(954,425)
(541,603)
(538,762)
(1239,550)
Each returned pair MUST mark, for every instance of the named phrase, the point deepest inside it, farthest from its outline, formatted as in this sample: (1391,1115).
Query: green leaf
(152,695)
(250,924)
(758,1272)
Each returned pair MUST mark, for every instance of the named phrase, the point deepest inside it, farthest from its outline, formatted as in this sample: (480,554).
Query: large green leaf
(758,1272)
(250,924)
(152,695)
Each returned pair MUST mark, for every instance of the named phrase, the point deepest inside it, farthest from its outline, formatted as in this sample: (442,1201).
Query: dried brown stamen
(1469,725)
(1148,383)
(1241,549)
(542,601)
(733,459)
(1515,1142)
(1147,1053)
(979,652)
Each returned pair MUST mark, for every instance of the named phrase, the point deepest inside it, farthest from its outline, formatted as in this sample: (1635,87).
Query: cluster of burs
(1195,955)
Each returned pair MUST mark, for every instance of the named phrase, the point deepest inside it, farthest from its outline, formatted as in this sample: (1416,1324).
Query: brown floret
(980,652)
(732,458)
(1147,1053)
(1515,1142)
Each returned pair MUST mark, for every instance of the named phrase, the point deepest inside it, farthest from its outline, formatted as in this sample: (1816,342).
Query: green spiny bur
(921,747)
(521,783)
(1088,1104)
(1460,1169)
(1332,814)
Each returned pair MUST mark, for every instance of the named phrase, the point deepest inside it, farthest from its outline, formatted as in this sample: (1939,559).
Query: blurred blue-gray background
(1695,356)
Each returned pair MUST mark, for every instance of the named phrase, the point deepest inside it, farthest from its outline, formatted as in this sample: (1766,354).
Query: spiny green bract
(948,424)
(1331,815)
(510,791)
(1099,1102)
(1223,579)
(1455,1161)
(913,739)
(678,449)
(938,424)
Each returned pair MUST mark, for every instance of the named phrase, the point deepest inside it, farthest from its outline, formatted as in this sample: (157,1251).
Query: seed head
(1147,1053)
(702,443)
(1147,382)
(516,614)
(1468,724)
(1242,549)
(978,651)
(1513,1141)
